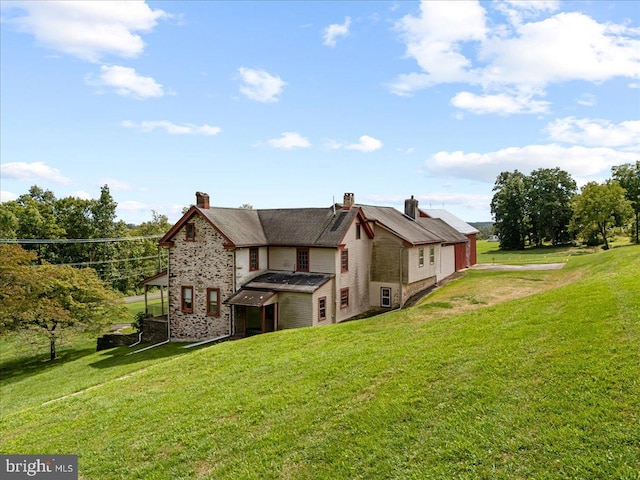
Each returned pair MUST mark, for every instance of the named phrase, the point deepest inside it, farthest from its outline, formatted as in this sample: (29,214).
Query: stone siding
(203,263)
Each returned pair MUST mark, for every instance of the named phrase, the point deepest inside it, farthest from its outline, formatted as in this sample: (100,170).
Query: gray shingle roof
(312,227)
(403,226)
(442,230)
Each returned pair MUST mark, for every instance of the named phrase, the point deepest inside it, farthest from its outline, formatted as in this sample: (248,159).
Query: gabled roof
(443,230)
(309,227)
(457,223)
(399,224)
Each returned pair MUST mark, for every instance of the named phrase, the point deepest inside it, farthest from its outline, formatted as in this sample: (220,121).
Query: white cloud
(436,200)
(7,196)
(512,64)
(587,100)
(34,171)
(289,140)
(126,82)
(88,30)
(434,39)
(501,104)
(172,128)
(365,144)
(133,206)
(117,185)
(595,132)
(259,85)
(336,30)
(83,195)
(577,160)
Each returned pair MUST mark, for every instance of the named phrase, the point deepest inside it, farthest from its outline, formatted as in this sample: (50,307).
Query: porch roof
(300,282)
(250,298)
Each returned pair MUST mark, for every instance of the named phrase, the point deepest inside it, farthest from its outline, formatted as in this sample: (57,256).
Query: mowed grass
(543,386)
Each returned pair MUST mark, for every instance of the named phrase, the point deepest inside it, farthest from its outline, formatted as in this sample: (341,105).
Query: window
(385,297)
(187,299)
(432,255)
(358,231)
(344,260)
(191,232)
(322,309)
(213,302)
(421,257)
(344,297)
(303,260)
(254,259)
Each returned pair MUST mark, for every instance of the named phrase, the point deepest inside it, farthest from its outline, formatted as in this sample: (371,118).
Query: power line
(47,241)
(100,262)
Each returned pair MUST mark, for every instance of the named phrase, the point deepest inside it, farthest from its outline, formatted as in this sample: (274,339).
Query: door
(270,318)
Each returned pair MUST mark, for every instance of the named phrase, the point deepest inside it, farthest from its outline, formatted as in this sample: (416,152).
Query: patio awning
(250,298)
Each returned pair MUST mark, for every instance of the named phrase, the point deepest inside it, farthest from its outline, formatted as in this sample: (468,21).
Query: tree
(628,176)
(549,194)
(50,298)
(599,207)
(508,208)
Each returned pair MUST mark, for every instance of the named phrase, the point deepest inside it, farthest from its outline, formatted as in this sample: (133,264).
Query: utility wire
(45,241)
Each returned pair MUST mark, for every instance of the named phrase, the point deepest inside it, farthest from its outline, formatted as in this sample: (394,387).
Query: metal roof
(250,298)
(300,282)
(457,223)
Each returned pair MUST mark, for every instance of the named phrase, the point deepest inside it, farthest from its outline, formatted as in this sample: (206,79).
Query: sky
(282,104)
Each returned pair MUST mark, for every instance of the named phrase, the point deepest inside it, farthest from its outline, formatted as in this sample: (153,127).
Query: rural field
(497,375)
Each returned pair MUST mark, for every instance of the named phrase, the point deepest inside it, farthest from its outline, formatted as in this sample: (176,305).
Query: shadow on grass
(120,355)
(23,367)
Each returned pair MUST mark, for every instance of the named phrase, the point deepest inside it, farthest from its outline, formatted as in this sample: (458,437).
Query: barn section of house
(234,271)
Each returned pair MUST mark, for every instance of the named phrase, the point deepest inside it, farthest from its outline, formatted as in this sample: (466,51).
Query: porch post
(162,299)
(263,311)
(146,306)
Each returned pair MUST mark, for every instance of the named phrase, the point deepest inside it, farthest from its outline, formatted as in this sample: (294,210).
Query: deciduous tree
(49,298)
(628,176)
(508,208)
(600,207)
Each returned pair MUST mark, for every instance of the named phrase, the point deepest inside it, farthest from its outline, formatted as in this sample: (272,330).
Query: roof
(443,230)
(457,223)
(300,282)
(309,227)
(250,298)
(398,223)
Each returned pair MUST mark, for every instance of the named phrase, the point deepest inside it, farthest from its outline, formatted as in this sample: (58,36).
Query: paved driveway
(531,266)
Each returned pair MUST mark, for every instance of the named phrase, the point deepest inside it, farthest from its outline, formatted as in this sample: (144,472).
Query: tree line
(546,206)
(75,230)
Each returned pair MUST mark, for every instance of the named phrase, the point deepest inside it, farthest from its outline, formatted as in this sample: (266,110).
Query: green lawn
(540,386)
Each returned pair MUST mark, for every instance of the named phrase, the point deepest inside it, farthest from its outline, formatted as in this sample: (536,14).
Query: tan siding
(375,294)
(322,260)
(415,271)
(243,275)
(295,310)
(282,258)
(385,263)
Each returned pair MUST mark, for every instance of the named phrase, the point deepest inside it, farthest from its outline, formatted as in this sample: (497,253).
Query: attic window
(191,232)
(358,231)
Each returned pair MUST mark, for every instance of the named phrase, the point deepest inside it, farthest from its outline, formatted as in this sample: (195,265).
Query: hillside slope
(539,387)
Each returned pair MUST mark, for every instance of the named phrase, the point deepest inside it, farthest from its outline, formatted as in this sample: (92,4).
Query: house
(464,257)
(234,271)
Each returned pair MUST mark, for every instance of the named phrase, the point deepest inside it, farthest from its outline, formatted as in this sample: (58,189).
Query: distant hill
(485,228)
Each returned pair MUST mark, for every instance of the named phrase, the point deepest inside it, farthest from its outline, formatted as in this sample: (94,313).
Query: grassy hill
(481,380)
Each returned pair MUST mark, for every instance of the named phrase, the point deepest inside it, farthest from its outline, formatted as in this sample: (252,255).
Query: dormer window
(191,232)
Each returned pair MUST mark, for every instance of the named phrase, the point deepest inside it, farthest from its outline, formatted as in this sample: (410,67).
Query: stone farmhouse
(235,271)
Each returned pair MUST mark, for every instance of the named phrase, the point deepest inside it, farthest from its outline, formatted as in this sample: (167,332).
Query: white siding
(447,262)
(375,294)
(322,260)
(416,272)
(325,291)
(243,275)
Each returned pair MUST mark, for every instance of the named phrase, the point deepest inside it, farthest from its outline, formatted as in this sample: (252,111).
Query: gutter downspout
(400,292)
(233,286)
(138,342)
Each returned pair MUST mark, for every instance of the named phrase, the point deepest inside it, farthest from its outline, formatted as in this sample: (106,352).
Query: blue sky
(290,104)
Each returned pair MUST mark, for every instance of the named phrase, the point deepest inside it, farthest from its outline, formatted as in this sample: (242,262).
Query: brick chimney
(411,207)
(202,200)
(349,201)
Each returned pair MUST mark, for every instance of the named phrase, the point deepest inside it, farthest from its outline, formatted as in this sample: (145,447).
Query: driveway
(531,266)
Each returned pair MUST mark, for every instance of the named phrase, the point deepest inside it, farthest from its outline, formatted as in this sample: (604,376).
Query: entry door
(270,318)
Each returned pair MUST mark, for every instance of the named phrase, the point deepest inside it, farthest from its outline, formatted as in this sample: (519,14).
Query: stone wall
(201,263)
(113,340)
(154,330)
(410,290)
